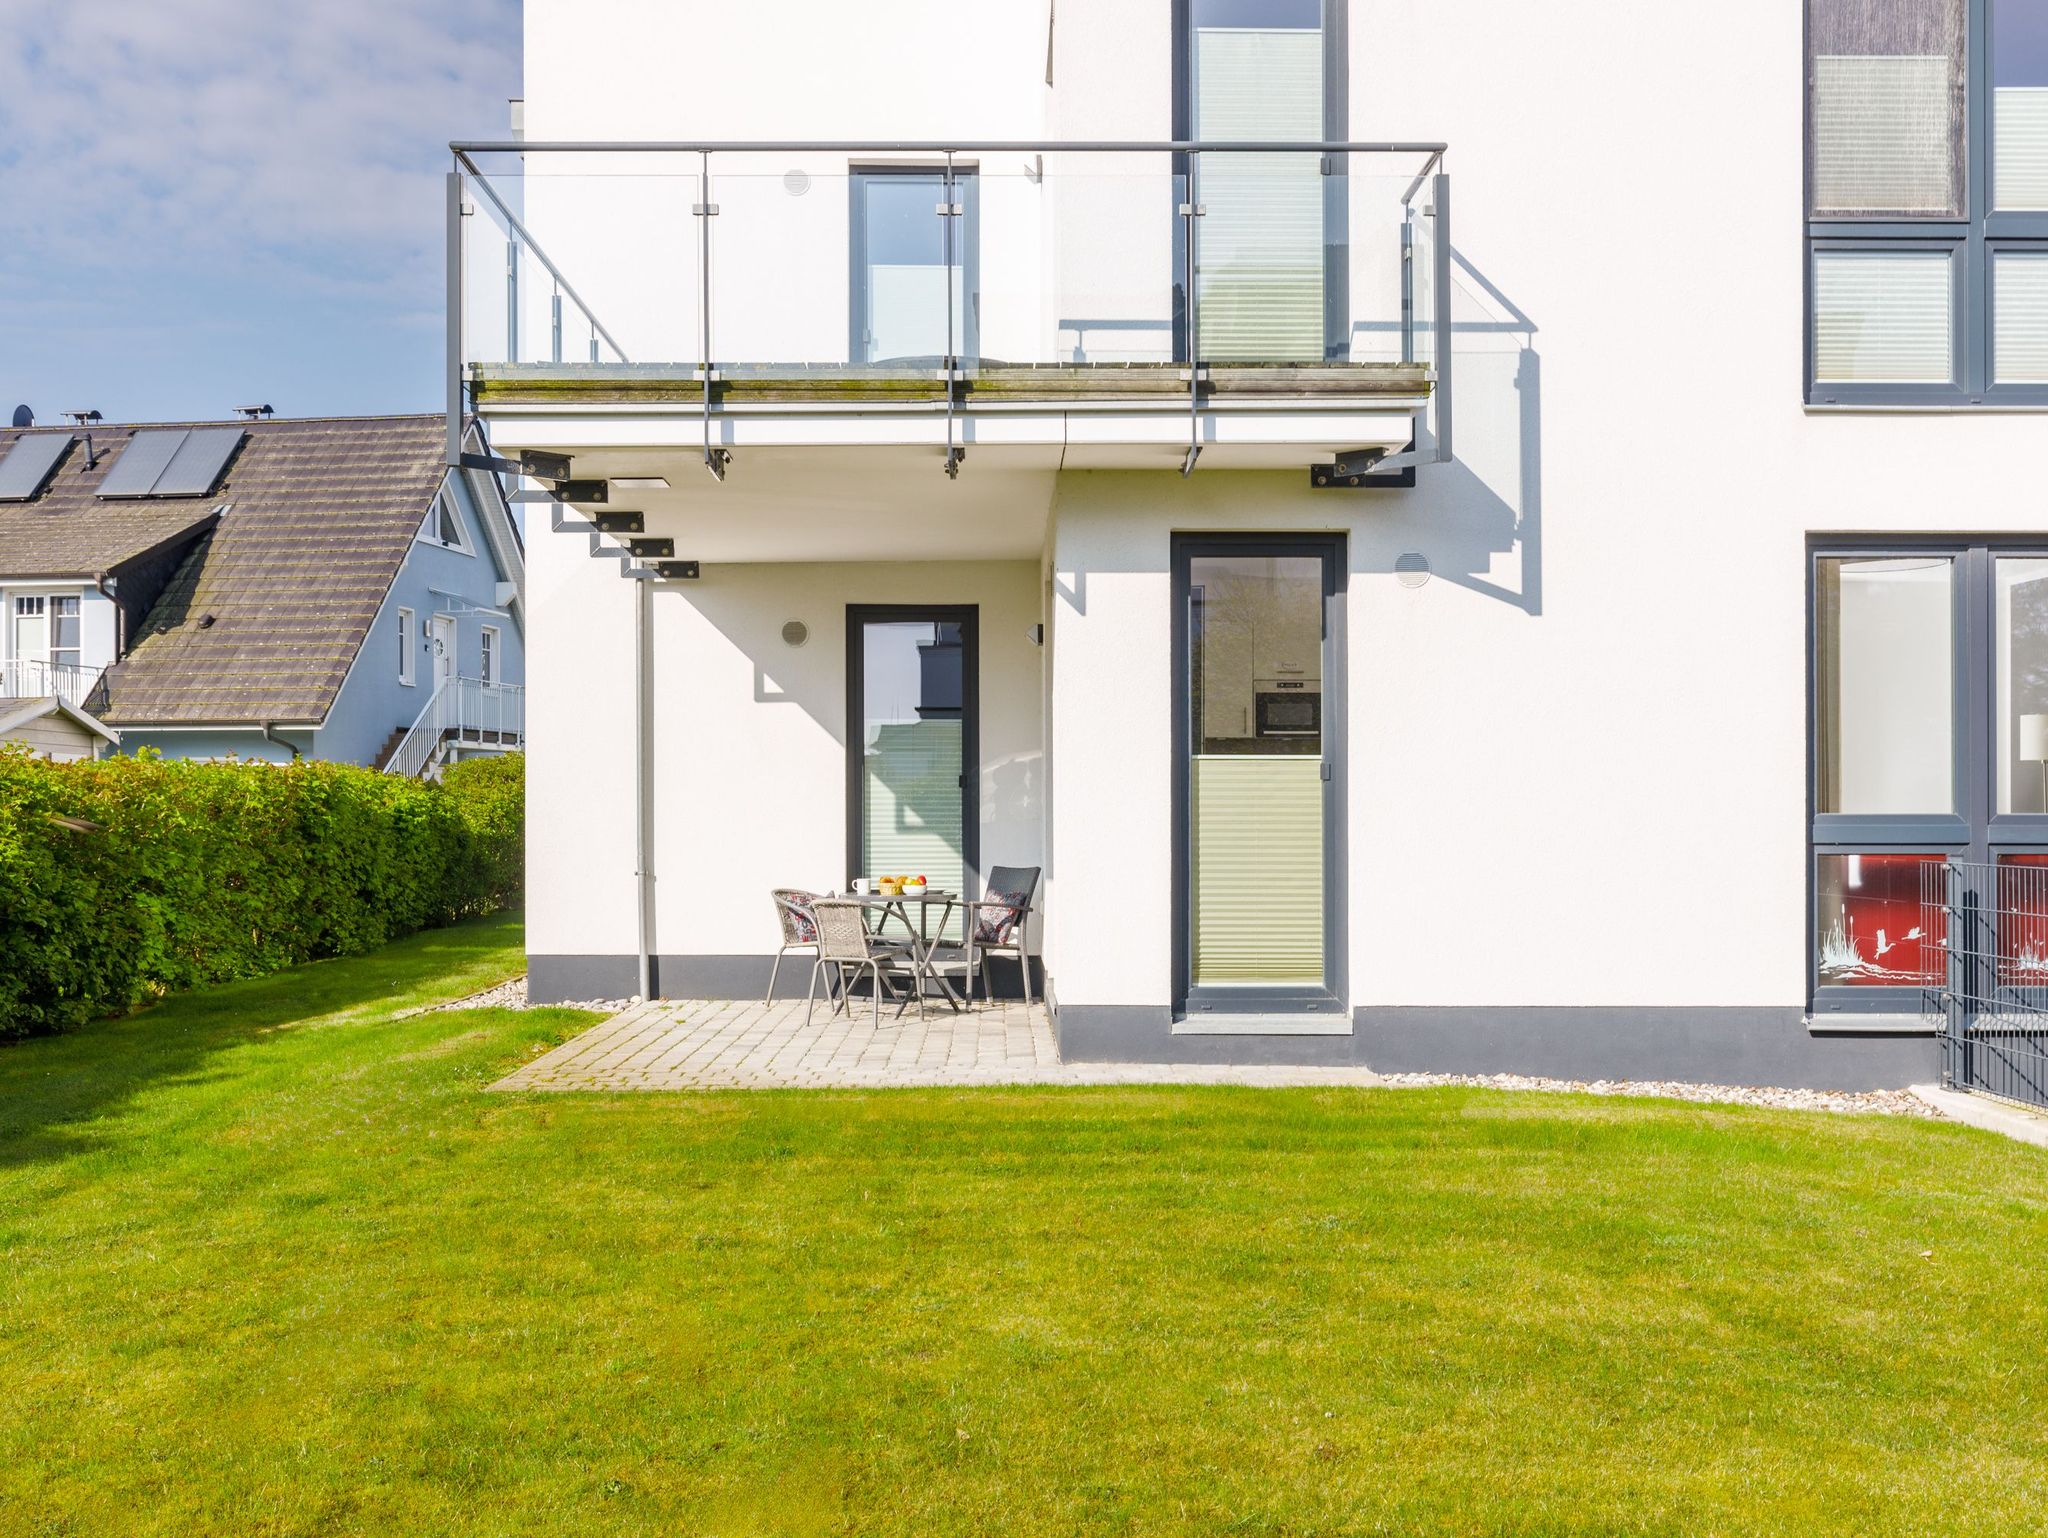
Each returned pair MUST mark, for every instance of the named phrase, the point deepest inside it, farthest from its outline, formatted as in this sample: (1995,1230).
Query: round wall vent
(795,632)
(796,183)
(1412,569)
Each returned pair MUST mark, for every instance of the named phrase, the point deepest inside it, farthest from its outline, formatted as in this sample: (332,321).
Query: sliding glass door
(1258,783)
(912,750)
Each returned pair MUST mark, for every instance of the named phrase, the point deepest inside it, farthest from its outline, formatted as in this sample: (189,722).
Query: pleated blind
(2019,146)
(1884,135)
(1882,317)
(1259,248)
(2019,311)
(911,804)
(1257,871)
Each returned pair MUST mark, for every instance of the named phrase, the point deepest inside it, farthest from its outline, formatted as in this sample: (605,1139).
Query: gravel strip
(512,995)
(1883,1102)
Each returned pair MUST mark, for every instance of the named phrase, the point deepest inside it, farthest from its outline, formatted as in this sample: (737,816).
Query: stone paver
(728,1044)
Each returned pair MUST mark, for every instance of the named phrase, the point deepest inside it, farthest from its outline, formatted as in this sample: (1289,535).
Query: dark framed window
(916,273)
(1928,703)
(1926,202)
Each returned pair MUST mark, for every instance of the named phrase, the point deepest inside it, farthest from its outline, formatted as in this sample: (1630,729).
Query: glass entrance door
(1257,793)
(912,751)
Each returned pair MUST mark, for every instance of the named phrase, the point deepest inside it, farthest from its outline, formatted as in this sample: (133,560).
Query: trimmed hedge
(133,877)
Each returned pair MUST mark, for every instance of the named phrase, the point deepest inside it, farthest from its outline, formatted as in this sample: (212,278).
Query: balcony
(31,679)
(463,717)
(1114,305)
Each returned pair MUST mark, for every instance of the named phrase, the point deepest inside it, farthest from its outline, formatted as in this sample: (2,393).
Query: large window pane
(1886,106)
(2021,665)
(1255,640)
(1882,317)
(2019,104)
(2022,923)
(1875,924)
(1884,686)
(2019,307)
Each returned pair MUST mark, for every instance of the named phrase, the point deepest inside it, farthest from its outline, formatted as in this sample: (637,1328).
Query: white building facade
(1528,583)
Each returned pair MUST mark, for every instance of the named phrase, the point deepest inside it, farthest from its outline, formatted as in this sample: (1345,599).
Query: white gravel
(1885,1102)
(512,995)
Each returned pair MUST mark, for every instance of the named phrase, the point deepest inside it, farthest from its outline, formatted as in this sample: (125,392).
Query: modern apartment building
(1478,537)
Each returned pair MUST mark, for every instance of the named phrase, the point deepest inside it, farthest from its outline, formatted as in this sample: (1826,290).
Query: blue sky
(205,203)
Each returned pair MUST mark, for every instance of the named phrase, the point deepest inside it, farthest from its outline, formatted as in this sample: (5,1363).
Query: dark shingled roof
(318,517)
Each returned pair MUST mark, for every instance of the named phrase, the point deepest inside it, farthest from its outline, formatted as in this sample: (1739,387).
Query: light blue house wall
(462,585)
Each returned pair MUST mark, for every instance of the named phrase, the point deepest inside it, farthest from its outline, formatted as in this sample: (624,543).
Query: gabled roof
(15,713)
(264,616)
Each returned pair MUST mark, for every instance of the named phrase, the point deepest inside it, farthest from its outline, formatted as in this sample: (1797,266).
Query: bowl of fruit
(913,886)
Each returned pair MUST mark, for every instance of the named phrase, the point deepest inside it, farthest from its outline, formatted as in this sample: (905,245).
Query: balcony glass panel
(844,265)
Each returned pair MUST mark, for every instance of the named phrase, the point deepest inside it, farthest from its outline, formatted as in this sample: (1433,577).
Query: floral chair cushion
(998,916)
(799,923)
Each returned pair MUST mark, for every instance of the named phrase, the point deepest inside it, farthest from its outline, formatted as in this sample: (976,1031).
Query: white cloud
(230,136)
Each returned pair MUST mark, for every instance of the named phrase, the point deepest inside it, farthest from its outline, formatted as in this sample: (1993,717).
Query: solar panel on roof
(198,463)
(142,461)
(171,462)
(28,465)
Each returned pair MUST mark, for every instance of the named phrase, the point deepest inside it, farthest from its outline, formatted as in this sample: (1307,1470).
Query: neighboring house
(270,589)
(1611,733)
(52,728)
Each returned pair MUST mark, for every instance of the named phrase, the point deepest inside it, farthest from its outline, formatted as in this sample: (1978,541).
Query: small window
(405,635)
(443,525)
(64,647)
(31,629)
(1884,691)
(490,656)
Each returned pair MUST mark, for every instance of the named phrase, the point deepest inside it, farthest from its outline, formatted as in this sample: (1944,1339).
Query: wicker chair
(845,945)
(799,928)
(994,925)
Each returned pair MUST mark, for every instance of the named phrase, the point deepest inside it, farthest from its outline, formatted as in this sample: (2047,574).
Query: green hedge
(132,877)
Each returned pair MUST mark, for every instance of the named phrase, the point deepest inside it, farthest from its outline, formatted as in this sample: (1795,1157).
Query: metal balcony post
(555,320)
(511,300)
(948,216)
(1440,211)
(715,460)
(453,363)
(1190,211)
(1407,285)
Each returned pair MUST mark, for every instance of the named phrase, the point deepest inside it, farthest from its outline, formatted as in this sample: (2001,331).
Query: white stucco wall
(1578,752)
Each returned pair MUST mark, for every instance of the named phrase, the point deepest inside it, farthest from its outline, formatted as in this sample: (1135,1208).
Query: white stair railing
(463,712)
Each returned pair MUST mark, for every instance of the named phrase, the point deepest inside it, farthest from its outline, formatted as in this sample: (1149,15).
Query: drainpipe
(643,786)
(270,735)
(107,585)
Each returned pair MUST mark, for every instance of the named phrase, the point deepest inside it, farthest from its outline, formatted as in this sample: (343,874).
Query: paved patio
(727,1044)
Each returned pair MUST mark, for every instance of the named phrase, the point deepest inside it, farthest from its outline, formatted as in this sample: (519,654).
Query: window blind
(2019,146)
(1882,317)
(1883,135)
(911,804)
(1257,871)
(1259,247)
(2019,309)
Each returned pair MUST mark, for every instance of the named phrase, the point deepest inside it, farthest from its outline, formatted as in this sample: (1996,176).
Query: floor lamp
(2034,748)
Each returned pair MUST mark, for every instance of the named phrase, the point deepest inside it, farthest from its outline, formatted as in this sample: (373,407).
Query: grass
(272,1261)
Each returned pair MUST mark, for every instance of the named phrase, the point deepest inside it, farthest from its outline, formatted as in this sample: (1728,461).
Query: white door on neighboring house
(441,647)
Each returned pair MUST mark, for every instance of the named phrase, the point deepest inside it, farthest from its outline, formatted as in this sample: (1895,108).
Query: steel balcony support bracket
(715,459)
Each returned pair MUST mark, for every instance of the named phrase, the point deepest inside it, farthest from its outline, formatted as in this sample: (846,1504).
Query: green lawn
(274,1262)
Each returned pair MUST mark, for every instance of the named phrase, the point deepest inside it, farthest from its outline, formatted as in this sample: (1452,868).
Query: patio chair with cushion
(994,926)
(845,945)
(799,928)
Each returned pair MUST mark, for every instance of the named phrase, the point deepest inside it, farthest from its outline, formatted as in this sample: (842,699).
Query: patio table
(921,944)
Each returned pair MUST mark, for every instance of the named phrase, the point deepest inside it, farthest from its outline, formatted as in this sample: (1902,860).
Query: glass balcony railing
(1037,271)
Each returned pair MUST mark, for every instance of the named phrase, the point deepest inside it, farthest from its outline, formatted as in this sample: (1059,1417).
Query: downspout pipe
(270,735)
(643,787)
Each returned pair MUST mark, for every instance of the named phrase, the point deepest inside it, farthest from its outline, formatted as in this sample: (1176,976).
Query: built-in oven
(1289,709)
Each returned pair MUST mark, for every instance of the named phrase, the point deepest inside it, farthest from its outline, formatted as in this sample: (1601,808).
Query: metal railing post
(949,212)
(1190,211)
(1407,285)
(454,318)
(555,322)
(715,460)
(1440,211)
(511,300)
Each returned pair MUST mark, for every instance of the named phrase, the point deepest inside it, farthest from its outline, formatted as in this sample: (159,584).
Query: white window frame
(430,526)
(488,666)
(407,629)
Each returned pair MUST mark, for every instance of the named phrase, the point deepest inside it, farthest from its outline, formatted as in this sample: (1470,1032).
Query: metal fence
(31,678)
(1990,922)
(463,713)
